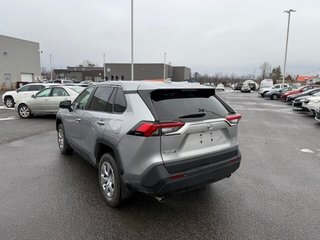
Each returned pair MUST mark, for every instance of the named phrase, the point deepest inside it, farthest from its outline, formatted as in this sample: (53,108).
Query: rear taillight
(233,119)
(148,129)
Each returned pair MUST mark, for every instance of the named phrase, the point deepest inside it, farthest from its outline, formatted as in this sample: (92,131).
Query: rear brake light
(148,129)
(233,119)
(176,177)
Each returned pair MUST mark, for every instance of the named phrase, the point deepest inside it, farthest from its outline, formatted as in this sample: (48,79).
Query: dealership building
(122,71)
(19,62)
(80,73)
(147,71)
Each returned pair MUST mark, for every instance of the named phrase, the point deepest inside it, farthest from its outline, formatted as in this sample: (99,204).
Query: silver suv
(154,138)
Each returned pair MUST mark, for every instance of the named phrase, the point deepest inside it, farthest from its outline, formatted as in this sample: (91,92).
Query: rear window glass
(120,104)
(179,104)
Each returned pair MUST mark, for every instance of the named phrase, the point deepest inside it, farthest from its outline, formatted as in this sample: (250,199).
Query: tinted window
(44,93)
(35,87)
(59,92)
(82,100)
(100,99)
(23,89)
(176,103)
(111,100)
(120,104)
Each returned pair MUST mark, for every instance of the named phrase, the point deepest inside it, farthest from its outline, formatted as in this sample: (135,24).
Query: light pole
(164,66)
(50,66)
(104,67)
(285,55)
(132,65)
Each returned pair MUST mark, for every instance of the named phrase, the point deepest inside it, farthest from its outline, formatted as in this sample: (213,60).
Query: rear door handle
(101,123)
(78,120)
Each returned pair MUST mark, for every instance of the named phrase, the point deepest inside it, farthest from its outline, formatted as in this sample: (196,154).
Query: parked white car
(220,87)
(10,98)
(47,100)
(313,104)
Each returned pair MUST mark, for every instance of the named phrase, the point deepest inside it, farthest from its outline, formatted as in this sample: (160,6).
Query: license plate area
(206,139)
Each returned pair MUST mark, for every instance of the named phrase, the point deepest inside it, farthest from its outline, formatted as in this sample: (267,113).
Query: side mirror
(33,96)
(66,105)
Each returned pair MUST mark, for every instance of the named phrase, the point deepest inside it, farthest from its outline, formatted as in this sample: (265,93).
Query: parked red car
(299,90)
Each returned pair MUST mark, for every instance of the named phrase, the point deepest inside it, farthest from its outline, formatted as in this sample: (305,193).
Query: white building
(19,62)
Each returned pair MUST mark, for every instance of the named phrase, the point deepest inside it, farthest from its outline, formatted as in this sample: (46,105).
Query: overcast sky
(209,36)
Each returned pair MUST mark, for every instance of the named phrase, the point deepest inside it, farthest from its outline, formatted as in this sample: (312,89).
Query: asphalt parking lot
(274,195)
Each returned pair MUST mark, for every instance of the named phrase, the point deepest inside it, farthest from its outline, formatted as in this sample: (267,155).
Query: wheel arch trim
(102,142)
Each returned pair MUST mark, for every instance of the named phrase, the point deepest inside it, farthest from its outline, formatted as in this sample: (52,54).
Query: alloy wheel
(24,111)
(107,180)
(60,138)
(9,102)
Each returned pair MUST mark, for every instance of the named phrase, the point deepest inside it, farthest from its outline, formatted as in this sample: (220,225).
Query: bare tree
(265,70)
(87,63)
(45,73)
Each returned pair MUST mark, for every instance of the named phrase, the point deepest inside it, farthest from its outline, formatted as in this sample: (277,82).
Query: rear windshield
(188,104)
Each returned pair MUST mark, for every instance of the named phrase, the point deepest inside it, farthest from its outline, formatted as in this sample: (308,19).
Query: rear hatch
(200,134)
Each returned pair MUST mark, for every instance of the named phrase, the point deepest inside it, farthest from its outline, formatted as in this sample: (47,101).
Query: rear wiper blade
(194,115)
(202,110)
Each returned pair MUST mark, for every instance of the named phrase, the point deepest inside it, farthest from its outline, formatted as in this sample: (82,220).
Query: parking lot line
(8,118)
(5,108)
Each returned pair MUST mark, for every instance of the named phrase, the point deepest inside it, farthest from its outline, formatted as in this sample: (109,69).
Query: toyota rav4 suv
(154,138)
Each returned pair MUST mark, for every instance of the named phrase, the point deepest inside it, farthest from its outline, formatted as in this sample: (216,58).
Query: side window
(120,103)
(44,93)
(24,89)
(277,86)
(35,87)
(82,100)
(59,92)
(100,99)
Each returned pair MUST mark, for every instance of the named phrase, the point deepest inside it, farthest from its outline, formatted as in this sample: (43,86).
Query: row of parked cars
(245,87)
(306,98)
(40,98)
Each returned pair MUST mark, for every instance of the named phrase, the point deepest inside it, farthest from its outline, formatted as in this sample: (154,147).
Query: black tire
(9,102)
(24,111)
(62,141)
(274,96)
(115,199)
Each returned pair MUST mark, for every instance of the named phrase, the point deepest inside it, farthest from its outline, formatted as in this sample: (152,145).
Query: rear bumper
(158,181)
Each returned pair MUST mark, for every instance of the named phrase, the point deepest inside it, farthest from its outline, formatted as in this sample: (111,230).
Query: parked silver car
(47,100)
(155,138)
